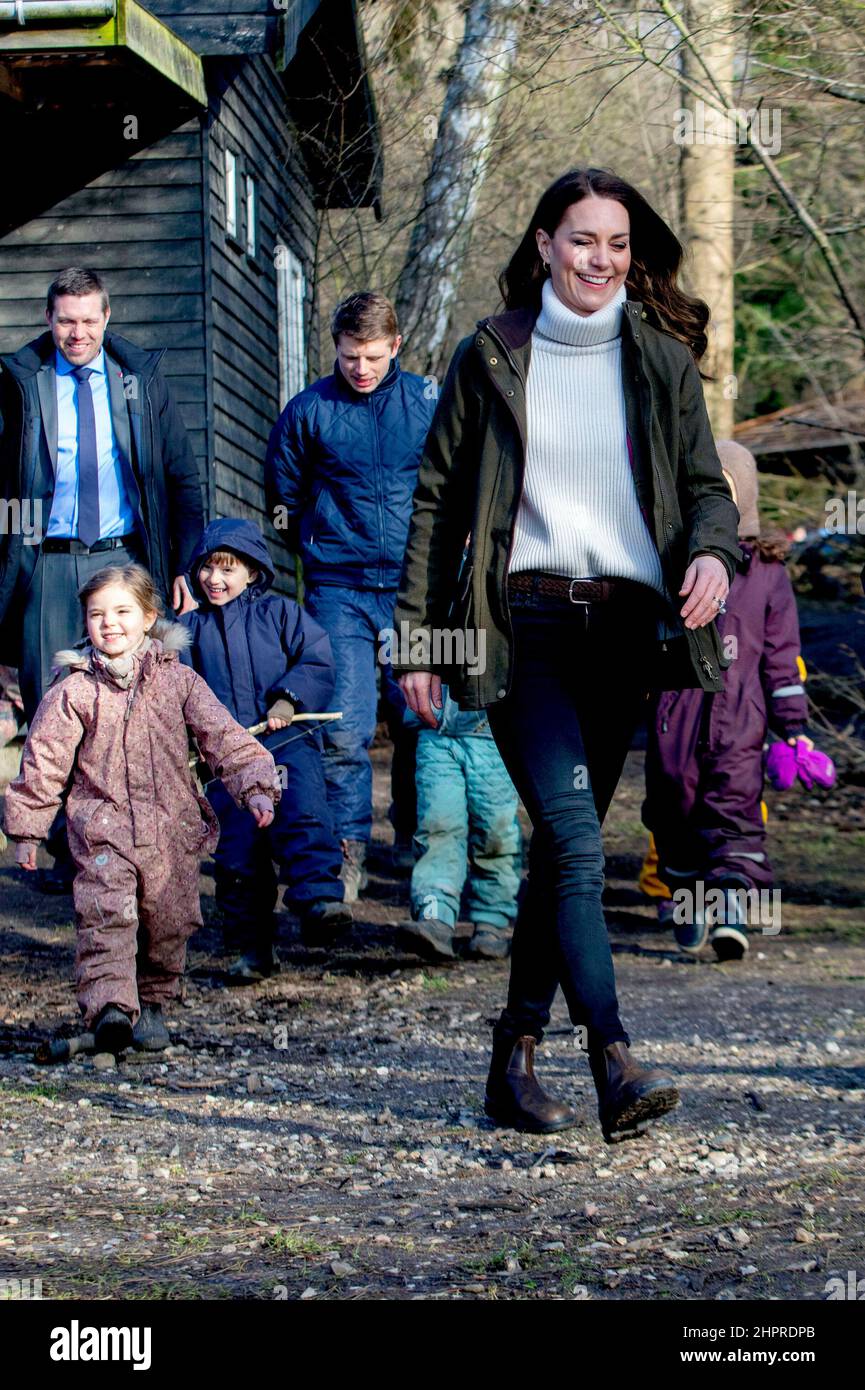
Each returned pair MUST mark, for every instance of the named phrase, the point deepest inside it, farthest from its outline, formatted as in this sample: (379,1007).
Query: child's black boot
(112,1031)
(150,1033)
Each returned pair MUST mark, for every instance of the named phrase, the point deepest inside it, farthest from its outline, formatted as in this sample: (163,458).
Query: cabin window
(291,295)
(251,217)
(230,193)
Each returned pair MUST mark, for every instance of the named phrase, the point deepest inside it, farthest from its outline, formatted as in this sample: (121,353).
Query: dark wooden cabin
(184,152)
(814,438)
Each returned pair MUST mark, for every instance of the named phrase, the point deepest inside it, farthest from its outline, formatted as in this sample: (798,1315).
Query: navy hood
(246,540)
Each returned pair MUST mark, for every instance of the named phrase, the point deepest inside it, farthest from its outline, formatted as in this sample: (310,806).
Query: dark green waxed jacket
(452,618)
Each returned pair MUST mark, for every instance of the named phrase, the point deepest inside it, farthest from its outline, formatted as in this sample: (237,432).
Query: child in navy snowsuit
(264,658)
(704,760)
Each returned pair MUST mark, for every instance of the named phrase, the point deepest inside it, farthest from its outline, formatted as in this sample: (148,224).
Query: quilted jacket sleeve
(230,752)
(33,798)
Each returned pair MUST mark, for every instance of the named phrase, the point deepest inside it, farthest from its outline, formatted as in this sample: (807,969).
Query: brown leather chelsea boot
(514,1096)
(629,1096)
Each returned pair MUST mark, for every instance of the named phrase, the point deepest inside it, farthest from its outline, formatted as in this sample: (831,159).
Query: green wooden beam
(131,29)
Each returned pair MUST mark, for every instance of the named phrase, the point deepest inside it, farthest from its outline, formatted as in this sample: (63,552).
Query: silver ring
(719,601)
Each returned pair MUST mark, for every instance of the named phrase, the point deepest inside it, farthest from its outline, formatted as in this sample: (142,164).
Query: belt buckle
(584,601)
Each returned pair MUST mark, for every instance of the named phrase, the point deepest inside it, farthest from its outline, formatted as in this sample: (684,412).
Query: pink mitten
(813,766)
(25,853)
(781,767)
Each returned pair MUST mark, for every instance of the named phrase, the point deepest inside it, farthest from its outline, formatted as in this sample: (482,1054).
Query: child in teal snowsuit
(467,828)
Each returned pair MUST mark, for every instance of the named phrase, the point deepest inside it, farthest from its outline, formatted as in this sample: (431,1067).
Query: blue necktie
(88,460)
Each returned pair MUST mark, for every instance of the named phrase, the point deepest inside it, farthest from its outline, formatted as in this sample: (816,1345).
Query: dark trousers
(301,841)
(402,811)
(51,620)
(564,731)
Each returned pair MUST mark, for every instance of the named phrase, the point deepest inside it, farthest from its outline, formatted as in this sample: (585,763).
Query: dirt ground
(322,1135)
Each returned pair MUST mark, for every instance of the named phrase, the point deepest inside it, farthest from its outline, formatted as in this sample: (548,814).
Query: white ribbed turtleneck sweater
(579,515)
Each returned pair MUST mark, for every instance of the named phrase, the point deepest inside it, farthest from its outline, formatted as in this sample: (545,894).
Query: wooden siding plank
(101,202)
(69,230)
(145,173)
(48,259)
(140,281)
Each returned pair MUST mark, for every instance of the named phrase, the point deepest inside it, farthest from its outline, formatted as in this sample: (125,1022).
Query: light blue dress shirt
(116,516)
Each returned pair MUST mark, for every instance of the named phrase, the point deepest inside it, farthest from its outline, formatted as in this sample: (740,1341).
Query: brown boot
(629,1096)
(514,1097)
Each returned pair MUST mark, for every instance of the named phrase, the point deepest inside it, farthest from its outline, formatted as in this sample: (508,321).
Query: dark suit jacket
(159,468)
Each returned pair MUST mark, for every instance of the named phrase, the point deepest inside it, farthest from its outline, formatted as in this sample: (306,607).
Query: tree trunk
(429,282)
(707,170)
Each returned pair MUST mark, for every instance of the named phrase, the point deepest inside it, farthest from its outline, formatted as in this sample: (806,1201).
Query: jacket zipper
(132,693)
(380,493)
(518,374)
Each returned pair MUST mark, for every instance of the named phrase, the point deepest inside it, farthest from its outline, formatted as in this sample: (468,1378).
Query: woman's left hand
(705,580)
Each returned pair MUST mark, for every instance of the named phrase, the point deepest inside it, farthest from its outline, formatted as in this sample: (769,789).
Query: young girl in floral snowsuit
(117,722)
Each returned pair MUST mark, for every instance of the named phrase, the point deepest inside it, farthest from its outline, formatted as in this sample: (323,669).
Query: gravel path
(322,1136)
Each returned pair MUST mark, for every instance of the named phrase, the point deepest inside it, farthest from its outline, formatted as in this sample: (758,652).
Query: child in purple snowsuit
(704,760)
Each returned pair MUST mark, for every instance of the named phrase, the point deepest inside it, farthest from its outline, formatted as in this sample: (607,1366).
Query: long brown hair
(134,578)
(770,548)
(656,256)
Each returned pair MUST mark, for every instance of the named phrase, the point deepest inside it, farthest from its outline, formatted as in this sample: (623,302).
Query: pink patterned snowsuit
(137,828)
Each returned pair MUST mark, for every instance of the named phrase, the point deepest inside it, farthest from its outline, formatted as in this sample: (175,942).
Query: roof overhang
(84,84)
(94,38)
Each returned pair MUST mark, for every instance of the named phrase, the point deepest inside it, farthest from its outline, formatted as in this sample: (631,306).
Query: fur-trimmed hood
(167,640)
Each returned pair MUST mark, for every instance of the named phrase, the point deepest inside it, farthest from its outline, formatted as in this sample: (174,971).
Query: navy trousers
(300,842)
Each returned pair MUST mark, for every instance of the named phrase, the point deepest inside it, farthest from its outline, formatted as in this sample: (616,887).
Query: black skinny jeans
(563,731)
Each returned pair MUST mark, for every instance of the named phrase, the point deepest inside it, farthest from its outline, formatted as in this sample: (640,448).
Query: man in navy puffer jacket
(341,471)
(264,658)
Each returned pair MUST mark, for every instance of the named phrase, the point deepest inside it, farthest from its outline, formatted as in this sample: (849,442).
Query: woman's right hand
(423,692)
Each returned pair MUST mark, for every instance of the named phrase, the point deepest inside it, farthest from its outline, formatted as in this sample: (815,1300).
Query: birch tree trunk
(707,171)
(429,282)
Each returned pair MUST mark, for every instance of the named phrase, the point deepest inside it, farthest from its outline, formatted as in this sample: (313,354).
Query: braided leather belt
(562,590)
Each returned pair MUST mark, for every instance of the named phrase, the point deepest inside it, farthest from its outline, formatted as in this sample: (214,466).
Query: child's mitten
(813,766)
(281,711)
(781,766)
(25,853)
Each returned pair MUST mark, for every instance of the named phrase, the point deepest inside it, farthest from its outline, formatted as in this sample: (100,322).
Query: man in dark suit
(96,469)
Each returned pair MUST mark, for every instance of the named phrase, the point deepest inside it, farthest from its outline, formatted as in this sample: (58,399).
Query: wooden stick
(64,1049)
(261,728)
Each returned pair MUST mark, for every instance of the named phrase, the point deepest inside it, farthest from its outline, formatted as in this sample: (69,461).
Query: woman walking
(571,439)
